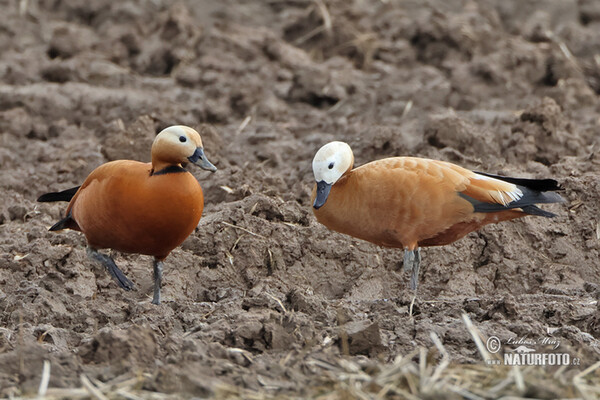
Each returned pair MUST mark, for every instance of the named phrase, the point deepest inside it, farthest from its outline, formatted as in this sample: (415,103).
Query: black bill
(323,189)
(200,160)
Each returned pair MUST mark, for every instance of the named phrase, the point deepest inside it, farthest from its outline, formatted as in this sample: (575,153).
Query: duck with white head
(409,202)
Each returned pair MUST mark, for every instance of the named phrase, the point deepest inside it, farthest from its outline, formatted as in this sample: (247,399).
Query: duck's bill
(323,189)
(200,160)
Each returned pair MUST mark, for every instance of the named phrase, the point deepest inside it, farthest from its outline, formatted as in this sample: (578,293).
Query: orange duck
(135,207)
(408,202)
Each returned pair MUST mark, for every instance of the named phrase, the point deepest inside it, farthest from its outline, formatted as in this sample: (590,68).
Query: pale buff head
(179,144)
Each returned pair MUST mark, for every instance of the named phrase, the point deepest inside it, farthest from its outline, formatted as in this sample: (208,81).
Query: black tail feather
(533,210)
(60,225)
(66,223)
(65,195)
(540,185)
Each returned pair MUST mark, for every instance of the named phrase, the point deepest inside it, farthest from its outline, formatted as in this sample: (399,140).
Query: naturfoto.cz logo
(525,352)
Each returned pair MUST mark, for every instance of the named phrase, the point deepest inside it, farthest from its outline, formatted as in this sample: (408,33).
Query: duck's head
(331,162)
(178,145)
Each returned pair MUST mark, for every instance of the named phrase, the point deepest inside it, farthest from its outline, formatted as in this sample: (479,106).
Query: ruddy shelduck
(409,202)
(135,207)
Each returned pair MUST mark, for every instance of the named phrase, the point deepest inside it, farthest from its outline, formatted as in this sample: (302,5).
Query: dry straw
(423,373)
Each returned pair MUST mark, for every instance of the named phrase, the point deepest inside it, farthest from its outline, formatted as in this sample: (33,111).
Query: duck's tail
(534,191)
(65,195)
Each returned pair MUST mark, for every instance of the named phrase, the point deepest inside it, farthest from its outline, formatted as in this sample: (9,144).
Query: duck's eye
(330,166)
(182,139)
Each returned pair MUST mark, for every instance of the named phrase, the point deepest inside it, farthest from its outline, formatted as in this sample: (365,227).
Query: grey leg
(158,273)
(111,267)
(412,261)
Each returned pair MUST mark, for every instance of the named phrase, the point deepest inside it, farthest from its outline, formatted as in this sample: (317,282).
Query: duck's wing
(492,193)
(486,192)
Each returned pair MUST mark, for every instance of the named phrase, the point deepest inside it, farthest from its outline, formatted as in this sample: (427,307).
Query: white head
(332,161)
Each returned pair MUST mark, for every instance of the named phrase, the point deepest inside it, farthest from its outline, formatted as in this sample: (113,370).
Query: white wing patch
(483,177)
(501,197)
(505,198)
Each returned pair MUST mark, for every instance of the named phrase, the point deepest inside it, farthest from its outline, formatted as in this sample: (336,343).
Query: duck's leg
(412,261)
(111,267)
(158,272)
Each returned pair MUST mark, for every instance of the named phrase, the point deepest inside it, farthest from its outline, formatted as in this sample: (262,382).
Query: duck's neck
(340,206)
(158,166)
(346,183)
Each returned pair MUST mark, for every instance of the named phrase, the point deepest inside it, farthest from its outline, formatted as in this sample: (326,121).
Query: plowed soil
(503,86)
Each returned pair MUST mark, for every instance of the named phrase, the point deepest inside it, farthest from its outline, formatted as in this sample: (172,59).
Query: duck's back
(123,207)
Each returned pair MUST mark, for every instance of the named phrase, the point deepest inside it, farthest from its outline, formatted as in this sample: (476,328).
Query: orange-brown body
(410,202)
(123,207)
(134,207)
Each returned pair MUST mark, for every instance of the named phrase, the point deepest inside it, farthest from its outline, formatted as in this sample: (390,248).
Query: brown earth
(260,288)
